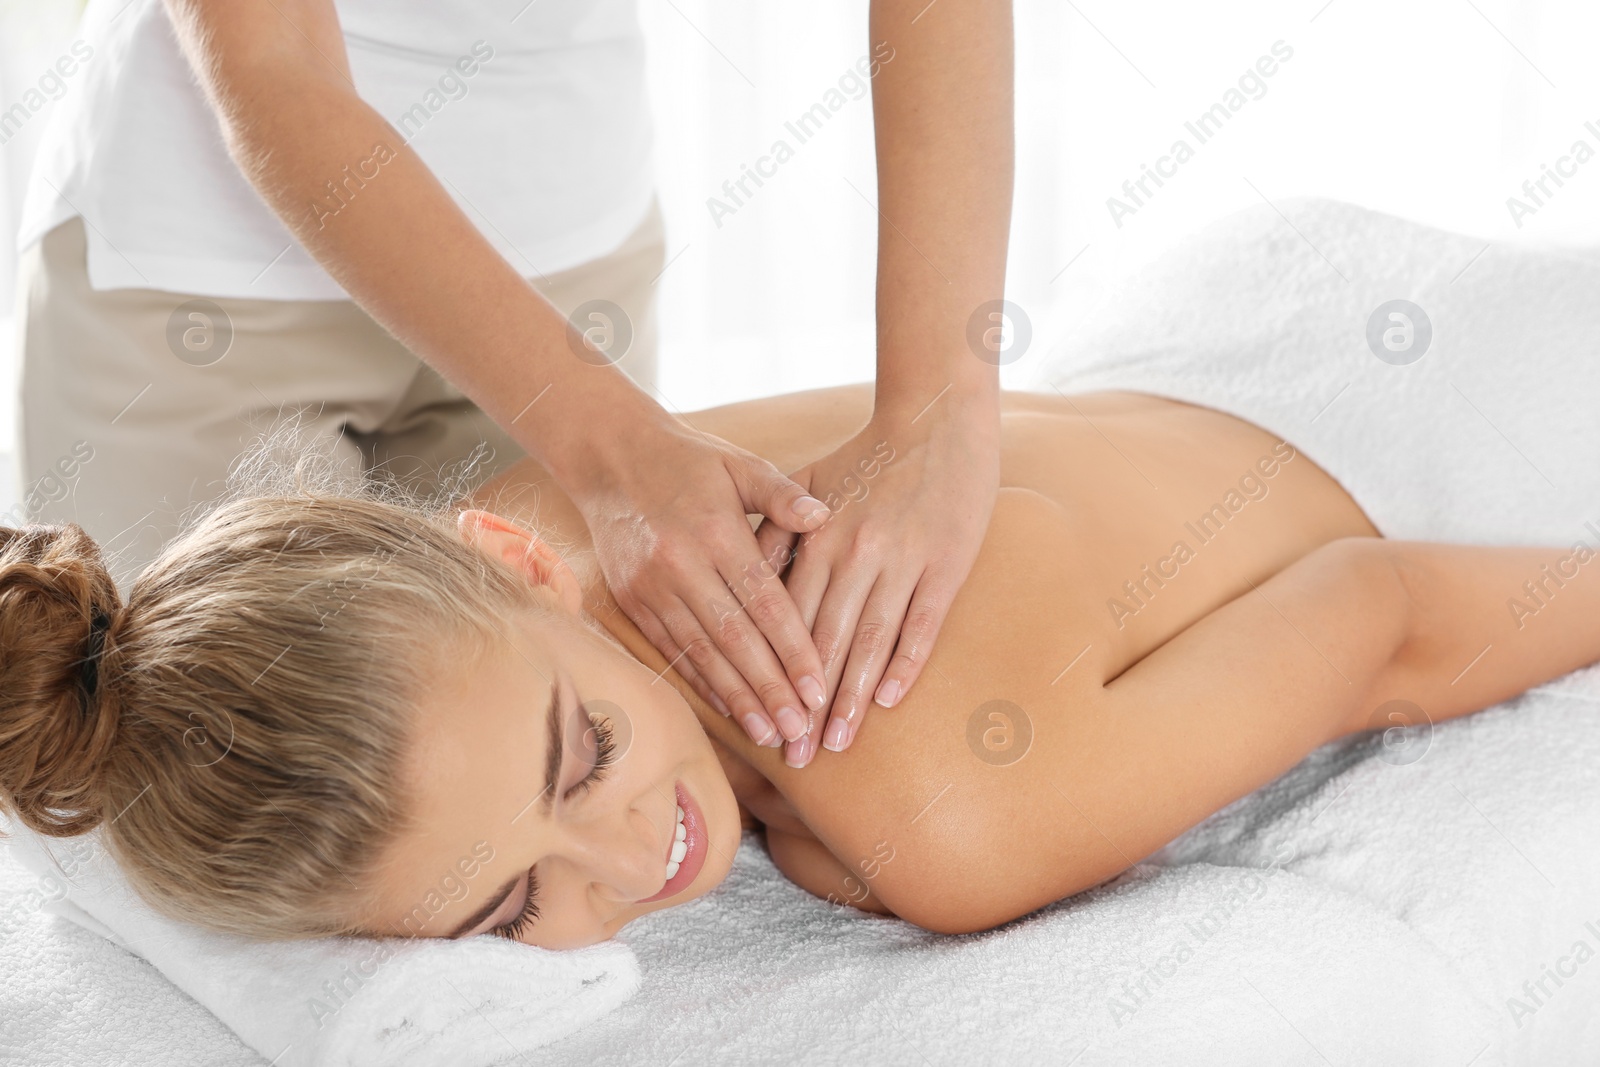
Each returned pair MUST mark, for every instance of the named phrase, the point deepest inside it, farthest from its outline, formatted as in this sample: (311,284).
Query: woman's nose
(626,868)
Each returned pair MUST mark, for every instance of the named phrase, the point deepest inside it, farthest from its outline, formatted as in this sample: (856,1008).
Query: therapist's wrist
(587,441)
(971,407)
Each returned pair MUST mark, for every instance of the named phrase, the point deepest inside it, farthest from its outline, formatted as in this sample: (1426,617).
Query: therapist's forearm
(942,113)
(402,248)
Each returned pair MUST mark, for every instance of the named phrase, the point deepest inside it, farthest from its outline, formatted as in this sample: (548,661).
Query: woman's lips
(694,840)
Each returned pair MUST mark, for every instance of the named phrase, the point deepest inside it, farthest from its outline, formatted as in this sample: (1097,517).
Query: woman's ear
(523,552)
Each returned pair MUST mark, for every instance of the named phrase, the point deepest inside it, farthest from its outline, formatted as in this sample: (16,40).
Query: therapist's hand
(911,501)
(667,507)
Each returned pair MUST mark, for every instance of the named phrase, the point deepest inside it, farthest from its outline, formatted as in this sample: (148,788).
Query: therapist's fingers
(701,658)
(768,623)
(679,542)
(768,607)
(777,546)
(716,679)
(803,573)
(768,491)
(838,617)
(919,629)
(723,643)
(651,626)
(808,583)
(877,634)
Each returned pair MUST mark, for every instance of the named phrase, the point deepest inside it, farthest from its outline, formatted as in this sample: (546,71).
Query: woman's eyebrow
(552,774)
(554,731)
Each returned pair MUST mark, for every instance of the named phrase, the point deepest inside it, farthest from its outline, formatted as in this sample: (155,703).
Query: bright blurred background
(1437,110)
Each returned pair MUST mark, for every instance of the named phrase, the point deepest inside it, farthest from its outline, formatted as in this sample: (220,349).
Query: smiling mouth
(679,849)
(686,853)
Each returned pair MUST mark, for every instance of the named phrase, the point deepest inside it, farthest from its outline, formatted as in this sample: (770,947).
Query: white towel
(1491,436)
(341,1001)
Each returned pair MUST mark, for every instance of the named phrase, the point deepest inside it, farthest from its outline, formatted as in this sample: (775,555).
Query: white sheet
(1354,911)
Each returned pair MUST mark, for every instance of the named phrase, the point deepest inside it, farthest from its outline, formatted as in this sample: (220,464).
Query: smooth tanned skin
(1287,629)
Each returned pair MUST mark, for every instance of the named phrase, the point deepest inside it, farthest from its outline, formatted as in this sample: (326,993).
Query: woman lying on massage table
(320,715)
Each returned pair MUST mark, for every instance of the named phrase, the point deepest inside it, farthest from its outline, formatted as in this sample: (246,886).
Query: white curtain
(1435,109)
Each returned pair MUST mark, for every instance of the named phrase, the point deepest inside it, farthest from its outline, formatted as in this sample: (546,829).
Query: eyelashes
(605,754)
(514,929)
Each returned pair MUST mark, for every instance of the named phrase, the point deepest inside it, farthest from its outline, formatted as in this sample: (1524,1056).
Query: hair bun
(59,615)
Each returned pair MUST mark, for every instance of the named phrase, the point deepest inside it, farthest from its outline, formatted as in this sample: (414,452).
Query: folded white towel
(342,1001)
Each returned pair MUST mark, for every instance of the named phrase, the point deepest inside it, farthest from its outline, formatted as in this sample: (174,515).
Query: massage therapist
(416,226)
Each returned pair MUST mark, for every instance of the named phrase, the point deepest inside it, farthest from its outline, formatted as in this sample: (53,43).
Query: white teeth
(680,847)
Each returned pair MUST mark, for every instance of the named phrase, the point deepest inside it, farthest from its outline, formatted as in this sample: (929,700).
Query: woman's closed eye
(600,746)
(514,929)
(602,751)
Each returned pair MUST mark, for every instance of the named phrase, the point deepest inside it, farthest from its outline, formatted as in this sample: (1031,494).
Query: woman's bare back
(1122,519)
(1130,476)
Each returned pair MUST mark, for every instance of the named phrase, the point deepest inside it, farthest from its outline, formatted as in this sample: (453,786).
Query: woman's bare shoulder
(919,816)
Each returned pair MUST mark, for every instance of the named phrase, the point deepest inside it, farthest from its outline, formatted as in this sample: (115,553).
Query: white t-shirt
(532,112)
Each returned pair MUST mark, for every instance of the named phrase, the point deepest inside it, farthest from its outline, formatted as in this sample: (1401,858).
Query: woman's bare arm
(1218,711)
(1488,623)
(1226,706)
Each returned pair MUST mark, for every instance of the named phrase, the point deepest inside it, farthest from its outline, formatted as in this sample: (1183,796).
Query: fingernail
(837,737)
(717,703)
(759,729)
(811,692)
(888,692)
(809,508)
(798,754)
(790,722)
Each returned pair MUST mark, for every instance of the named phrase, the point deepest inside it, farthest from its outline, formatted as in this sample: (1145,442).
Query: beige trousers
(135,402)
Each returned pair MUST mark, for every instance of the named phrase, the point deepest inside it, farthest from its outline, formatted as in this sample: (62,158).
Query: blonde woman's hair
(236,732)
